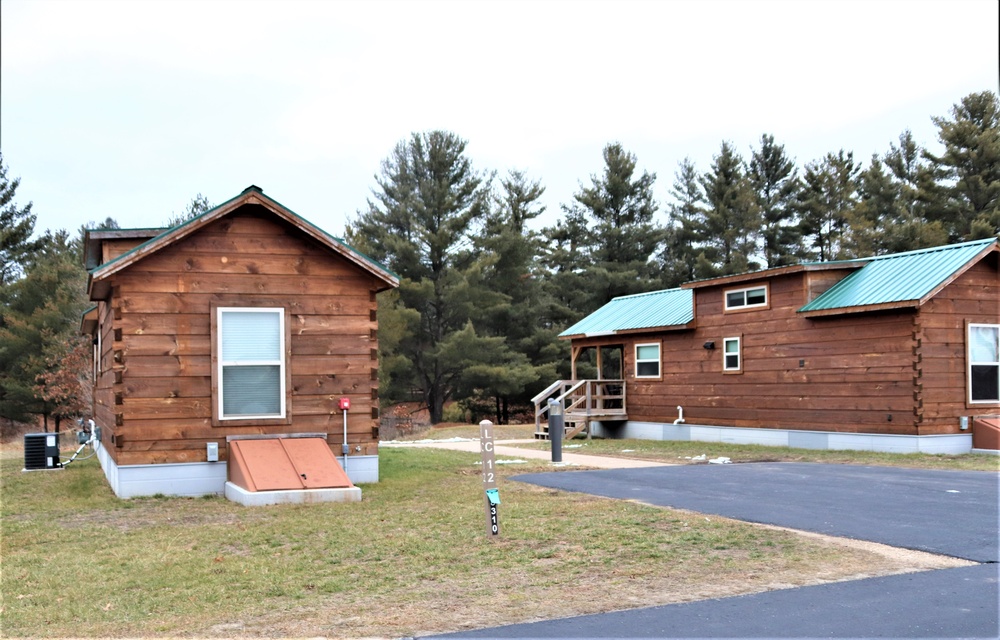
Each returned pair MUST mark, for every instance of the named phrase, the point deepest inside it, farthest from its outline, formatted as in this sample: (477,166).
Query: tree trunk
(436,408)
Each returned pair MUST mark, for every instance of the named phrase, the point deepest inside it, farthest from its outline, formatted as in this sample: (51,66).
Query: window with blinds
(647,360)
(251,363)
(732,355)
(984,363)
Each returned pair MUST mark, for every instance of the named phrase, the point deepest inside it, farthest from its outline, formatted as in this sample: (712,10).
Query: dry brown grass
(412,558)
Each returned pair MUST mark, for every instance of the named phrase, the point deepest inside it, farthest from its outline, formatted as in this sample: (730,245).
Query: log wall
(942,371)
(850,373)
(157,399)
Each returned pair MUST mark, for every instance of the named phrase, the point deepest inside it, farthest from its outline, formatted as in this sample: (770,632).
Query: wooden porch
(583,402)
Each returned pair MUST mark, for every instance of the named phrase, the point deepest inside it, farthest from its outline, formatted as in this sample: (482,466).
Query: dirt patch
(912,559)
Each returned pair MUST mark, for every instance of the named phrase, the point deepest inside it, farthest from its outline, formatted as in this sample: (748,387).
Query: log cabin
(246,322)
(896,353)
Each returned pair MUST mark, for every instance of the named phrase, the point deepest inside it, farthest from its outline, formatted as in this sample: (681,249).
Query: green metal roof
(900,277)
(671,307)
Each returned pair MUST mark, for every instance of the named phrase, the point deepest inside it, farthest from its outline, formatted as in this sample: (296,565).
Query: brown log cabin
(895,353)
(294,310)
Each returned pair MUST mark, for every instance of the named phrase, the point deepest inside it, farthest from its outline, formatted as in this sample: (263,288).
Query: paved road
(952,513)
(948,512)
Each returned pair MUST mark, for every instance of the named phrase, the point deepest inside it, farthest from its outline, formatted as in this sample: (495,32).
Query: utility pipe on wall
(680,415)
(345,404)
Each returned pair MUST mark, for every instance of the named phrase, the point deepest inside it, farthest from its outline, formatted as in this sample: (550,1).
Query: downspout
(680,416)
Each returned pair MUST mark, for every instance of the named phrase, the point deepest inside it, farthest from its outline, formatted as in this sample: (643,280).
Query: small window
(647,360)
(251,363)
(739,299)
(984,363)
(731,356)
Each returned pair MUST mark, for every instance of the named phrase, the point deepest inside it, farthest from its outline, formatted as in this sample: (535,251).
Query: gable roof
(670,308)
(899,280)
(882,282)
(98,285)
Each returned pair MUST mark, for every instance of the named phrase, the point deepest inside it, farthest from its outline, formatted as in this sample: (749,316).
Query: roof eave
(628,332)
(88,321)
(864,308)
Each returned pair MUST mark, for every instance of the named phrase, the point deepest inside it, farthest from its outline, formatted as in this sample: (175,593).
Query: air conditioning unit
(41,451)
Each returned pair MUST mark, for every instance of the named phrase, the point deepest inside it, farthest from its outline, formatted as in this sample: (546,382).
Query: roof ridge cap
(941,247)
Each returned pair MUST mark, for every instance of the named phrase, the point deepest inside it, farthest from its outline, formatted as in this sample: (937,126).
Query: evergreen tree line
(484,293)
(45,364)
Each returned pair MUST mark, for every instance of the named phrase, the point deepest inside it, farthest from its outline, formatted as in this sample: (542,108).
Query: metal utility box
(41,451)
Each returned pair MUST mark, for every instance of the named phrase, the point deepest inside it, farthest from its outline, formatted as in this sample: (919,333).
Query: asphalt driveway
(952,513)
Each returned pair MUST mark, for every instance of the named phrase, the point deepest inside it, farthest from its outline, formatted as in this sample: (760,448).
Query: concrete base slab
(246,498)
(949,444)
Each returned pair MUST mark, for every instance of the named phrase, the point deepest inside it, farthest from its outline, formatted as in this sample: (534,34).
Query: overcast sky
(129,109)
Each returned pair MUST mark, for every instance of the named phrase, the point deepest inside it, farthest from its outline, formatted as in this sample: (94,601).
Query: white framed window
(732,354)
(647,360)
(749,298)
(250,362)
(984,363)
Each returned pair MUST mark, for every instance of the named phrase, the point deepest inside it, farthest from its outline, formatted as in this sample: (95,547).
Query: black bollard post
(556,429)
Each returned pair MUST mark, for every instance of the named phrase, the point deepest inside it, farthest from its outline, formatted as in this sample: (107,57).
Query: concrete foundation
(197,479)
(832,440)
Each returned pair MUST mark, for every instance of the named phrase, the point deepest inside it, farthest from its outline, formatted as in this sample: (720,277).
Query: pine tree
(513,310)
(966,191)
(730,221)
(420,223)
(618,209)
(827,202)
(679,255)
(40,317)
(17,224)
(775,183)
(565,259)
(198,205)
(888,217)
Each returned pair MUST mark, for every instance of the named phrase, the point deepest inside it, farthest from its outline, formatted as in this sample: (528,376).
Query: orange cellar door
(282,464)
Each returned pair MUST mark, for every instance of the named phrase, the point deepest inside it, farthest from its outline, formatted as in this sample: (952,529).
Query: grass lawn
(411,558)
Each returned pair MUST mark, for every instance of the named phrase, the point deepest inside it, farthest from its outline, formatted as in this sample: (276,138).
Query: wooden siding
(111,249)
(104,385)
(846,373)
(161,338)
(942,372)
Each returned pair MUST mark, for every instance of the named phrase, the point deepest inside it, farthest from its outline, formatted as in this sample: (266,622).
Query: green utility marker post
(490,479)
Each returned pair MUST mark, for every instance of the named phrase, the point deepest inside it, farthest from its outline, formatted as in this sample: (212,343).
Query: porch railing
(583,401)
